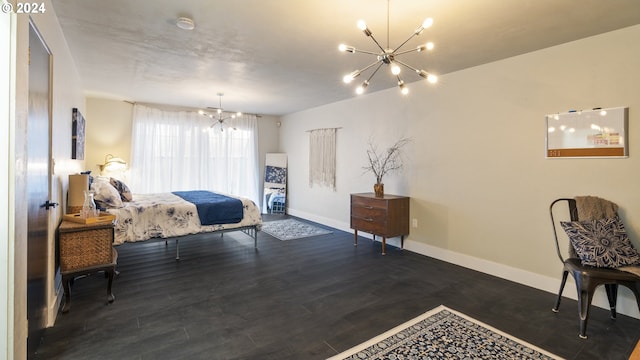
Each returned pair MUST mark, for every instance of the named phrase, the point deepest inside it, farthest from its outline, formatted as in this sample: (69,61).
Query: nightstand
(386,216)
(85,249)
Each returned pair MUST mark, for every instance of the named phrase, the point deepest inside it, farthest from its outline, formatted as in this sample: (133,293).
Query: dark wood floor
(299,299)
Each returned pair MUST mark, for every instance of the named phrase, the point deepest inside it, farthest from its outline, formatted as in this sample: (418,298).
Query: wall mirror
(275,184)
(588,133)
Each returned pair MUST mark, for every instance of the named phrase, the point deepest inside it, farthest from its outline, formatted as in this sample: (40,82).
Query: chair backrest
(572,211)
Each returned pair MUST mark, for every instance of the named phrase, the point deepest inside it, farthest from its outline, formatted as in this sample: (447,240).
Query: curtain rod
(176,107)
(324,129)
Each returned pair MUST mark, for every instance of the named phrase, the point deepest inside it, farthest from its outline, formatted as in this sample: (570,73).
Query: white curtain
(179,150)
(322,157)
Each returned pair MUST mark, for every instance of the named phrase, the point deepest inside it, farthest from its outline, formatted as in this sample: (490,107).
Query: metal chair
(588,278)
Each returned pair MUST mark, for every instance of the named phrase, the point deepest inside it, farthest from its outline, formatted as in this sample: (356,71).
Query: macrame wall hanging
(322,157)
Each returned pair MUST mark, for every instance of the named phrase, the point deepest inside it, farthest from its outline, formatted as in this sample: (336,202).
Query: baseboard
(626,301)
(55,305)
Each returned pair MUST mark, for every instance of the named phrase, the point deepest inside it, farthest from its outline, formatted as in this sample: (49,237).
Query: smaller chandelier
(389,57)
(219,116)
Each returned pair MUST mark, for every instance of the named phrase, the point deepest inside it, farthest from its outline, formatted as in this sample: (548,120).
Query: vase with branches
(382,163)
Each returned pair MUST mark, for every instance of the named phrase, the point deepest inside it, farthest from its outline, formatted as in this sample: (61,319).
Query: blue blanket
(214,209)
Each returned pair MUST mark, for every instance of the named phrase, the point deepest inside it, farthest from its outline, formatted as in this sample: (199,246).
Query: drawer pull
(368,219)
(368,207)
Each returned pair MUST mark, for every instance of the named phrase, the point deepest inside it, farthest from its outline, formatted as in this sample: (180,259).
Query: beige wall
(476,172)
(108,131)
(66,94)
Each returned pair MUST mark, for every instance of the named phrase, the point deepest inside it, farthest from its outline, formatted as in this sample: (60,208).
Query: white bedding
(166,215)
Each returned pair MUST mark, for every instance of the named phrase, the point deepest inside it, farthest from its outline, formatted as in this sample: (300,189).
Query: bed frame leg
(255,237)
(177,250)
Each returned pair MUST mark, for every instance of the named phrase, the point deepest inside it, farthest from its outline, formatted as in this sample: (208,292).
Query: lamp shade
(112,165)
(78,184)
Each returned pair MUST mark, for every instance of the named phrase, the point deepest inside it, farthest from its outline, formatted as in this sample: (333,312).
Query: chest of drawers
(386,216)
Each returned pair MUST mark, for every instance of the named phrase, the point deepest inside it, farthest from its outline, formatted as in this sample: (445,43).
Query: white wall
(476,172)
(66,94)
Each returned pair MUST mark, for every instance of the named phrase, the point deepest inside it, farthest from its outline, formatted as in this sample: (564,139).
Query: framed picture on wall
(596,133)
(77,135)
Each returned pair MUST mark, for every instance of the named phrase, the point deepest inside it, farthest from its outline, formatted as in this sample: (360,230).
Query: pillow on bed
(601,243)
(123,189)
(105,195)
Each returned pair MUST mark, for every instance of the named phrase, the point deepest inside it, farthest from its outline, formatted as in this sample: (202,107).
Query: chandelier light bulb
(395,69)
(349,78)
(346,48)
(403,88)
(427,46)
(432,78)
(427,23)
(363,26)
(360,89)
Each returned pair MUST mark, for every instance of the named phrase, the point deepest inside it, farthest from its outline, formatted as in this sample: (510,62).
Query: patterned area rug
(290,229)
(443,333)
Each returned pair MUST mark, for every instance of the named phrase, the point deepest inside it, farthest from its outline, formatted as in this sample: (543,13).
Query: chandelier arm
(376,70)
(376,41)
(406,51)
(371,65)
(406,65)
(365,52)
(406,41)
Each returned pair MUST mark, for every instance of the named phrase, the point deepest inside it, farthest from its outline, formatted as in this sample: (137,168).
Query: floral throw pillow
(123,189)
(601,243)
(105,195)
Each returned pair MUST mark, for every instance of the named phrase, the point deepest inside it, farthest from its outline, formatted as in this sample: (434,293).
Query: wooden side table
(85,249)
(386,216)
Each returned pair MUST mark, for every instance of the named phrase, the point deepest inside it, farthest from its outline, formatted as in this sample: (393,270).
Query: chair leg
(612,295)
(585,295)
(556,308)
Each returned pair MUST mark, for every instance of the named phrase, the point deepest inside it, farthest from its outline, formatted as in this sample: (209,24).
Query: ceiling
(274,57)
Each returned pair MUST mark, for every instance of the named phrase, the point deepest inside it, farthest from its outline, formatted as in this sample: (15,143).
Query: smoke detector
(185,23)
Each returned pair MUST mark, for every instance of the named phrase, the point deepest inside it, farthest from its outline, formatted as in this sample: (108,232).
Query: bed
(169,215)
